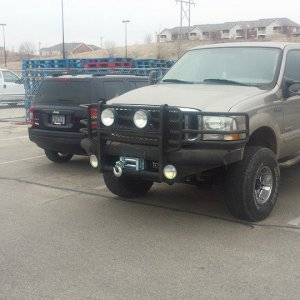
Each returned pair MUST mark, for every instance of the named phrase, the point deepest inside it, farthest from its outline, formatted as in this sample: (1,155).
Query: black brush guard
(166,133)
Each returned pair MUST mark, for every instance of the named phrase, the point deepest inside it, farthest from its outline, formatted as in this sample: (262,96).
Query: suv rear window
(113,89)
(137,84)
(64,92)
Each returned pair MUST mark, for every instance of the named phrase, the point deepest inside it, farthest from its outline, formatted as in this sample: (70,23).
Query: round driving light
(94,161)
(108,117)
(170,172)
(140,119)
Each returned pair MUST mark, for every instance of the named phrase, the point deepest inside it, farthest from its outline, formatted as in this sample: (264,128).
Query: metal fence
(16,107)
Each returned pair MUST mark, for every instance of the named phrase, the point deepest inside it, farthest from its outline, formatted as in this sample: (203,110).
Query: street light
(4,44)
(63,28)
(125,22)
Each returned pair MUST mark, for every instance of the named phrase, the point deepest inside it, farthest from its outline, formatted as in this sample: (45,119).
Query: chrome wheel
(263,185)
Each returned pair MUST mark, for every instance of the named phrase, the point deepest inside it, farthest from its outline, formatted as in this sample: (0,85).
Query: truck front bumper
(173,137)
(188,161)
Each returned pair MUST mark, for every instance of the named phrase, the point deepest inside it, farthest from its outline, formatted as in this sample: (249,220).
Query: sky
(39,21)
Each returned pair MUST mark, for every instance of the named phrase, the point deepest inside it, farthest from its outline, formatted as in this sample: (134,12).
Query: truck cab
(11,88)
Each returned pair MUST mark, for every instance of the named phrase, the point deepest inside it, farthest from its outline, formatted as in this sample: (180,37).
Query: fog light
(94,161)
(170,172)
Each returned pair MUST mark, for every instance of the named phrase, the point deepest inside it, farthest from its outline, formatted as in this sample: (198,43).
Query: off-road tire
(242,184)
(58,157)
(125,186)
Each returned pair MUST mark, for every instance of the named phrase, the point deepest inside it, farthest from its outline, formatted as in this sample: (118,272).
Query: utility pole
(185,15)
(101,39)
(4,50)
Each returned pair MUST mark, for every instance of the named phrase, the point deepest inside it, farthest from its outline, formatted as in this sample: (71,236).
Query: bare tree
(110,48)
(27,49)
(161,52)
(148,38)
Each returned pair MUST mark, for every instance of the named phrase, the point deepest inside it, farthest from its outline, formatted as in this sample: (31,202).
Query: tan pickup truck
(223,113)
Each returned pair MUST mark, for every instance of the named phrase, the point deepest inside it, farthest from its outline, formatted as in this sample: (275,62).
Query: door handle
(4,85)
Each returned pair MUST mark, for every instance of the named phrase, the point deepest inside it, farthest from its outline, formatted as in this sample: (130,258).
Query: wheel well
(263,137)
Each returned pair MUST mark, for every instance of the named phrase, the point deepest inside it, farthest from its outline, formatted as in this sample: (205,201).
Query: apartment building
(258,29)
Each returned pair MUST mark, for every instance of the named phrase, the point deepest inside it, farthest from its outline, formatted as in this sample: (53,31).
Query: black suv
(57,109)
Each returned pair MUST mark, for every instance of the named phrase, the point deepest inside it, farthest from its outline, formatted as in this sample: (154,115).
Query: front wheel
(58,157)
(252,184)
(125,186)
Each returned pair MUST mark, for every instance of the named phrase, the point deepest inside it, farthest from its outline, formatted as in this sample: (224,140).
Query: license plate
(58,120)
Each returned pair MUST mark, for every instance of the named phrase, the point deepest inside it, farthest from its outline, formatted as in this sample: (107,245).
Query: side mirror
(20,81)
(294,89)
(153,77)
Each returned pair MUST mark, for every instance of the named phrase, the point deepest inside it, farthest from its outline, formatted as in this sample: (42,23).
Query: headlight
(141,119)
(108,117)
(215,123)
(218,123)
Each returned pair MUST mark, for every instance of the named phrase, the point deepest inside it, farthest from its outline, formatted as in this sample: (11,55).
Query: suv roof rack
(59,74)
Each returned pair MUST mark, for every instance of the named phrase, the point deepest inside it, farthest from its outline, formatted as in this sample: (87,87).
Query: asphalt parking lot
(63,235)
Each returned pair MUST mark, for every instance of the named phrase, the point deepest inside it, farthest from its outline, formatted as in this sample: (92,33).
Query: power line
(185,11)
(185,15)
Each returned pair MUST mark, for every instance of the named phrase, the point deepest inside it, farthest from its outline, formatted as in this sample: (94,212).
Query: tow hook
(118,169)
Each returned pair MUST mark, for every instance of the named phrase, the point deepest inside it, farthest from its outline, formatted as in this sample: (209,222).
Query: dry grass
(153,51)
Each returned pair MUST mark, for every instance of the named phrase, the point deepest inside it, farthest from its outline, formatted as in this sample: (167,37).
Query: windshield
(253,66)
(64,92)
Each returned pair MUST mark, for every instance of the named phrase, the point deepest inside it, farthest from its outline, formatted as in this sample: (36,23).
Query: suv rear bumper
(65,142)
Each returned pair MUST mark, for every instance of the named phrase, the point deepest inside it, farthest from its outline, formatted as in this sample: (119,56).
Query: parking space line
(22,159)
(13,138)
(295,222)
(101,187)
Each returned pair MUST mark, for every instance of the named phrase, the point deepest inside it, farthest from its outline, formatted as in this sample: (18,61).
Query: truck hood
(205,97)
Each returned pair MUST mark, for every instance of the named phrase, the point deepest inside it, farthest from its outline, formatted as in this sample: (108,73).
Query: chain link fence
(15,106)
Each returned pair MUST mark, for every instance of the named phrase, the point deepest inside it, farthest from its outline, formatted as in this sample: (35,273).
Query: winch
(130,163)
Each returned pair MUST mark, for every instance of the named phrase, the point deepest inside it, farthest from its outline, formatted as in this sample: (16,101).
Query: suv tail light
(94,117)
(31,114)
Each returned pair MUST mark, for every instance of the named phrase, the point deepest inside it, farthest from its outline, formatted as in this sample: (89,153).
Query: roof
(176,30)
(228,25)
(69,47)
(83,76)
(280,45)
(265,22)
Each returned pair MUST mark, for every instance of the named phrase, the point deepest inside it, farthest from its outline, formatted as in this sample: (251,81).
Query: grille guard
(163,135)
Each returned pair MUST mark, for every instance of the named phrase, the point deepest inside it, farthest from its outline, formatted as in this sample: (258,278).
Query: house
(70,48)
(168,35)
(228,30)
(257,29)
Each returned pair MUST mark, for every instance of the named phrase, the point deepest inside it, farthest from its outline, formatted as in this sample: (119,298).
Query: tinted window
(9,76)
(292,68)
(113,89)
(64,92)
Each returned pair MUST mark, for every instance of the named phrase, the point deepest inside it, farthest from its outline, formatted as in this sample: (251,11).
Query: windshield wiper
(177,81)
(224,81)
